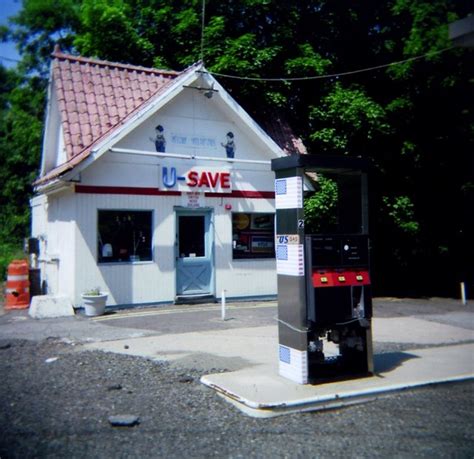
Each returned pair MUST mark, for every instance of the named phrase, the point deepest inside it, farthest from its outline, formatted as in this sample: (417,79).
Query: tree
(412,120)
(40,25)
(428,160)
(21,114)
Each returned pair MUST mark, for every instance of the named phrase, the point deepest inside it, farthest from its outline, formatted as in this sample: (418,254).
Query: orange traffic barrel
(18,285)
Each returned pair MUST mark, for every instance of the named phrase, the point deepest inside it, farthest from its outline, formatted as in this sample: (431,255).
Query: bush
(8,252)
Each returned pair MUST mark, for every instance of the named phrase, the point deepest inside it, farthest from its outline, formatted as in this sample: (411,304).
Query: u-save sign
(197,179)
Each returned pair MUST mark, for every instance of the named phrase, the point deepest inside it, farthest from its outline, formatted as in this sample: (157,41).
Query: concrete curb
(261,392)
(327,402)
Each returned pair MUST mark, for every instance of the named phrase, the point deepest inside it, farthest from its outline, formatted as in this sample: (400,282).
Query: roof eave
(161,98)
(53,186)
(239,111)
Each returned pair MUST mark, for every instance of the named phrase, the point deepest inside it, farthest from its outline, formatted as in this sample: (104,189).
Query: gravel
(56,401)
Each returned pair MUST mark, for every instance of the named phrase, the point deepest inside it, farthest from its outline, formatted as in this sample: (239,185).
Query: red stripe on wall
(124,190)
(91,189)
(243,194)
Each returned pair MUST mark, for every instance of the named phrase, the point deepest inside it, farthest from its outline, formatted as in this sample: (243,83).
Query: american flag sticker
(293,364)
(290,259)
(285,354)
(289,193)
(280,186)
(282,252)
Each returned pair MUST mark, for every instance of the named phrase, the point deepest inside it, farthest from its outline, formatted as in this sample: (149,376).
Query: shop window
(124,236)
(253,236)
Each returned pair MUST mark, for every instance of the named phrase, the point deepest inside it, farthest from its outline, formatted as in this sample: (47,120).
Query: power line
(9,59)
(203,16)
(333,75)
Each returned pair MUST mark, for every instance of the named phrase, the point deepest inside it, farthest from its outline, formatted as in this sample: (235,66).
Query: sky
(8,50)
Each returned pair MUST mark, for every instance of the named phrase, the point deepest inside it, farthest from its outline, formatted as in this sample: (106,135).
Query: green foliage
(119,40)
(20,140)
(320,209)
(402,211)
(39,25)
(349,119)
(413,121)
(244,57)
(9,252)
(307,63)
(428,32)
(93,292)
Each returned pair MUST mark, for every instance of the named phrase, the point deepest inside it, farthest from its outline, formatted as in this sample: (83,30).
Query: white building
(155,186)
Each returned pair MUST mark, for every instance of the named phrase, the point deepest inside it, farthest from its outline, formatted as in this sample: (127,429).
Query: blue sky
(7,50)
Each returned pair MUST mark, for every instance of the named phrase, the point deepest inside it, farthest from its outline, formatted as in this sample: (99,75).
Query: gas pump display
(324,297)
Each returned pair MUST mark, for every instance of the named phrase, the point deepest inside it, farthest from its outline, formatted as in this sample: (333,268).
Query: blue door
(194,254)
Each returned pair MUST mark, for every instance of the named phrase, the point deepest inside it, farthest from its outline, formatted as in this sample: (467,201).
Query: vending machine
(322,253)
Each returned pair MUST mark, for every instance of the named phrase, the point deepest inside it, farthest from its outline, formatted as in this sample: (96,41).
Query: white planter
(94,305)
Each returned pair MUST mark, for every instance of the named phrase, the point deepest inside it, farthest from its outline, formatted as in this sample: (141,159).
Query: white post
(223,304)
(463,293)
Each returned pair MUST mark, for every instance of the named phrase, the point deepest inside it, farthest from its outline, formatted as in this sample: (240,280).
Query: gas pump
(324,297)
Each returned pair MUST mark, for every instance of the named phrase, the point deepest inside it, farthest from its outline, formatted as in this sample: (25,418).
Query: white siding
(68,221)
(38,216)
(123,170)
(144,172)
(149,282)
(53,223)
(155,281)
(193,115)
(39,228)
(127,283)
(53,142)
(241,278)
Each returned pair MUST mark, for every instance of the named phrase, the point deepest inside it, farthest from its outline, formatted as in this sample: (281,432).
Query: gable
(98,105)
(95,96)
(87,101)
(192,124)
(53,141)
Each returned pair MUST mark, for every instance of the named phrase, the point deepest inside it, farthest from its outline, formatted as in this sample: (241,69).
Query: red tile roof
(95,98)
(280,131)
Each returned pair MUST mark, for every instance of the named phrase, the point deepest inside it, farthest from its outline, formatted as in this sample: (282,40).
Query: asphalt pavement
(248,348)
(157,356)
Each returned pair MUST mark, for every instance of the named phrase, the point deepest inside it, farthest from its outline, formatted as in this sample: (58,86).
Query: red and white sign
(209,180)
(197,179)
(193,199)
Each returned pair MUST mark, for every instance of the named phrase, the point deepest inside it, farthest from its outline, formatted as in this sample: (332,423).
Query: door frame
(208,213)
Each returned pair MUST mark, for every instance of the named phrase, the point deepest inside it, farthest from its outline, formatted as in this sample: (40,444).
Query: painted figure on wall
(160,141)
(229,145)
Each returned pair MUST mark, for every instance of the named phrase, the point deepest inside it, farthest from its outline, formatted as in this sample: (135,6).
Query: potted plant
(94,301)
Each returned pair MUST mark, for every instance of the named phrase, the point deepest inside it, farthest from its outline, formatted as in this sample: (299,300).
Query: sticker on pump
(290,259)
(287,239)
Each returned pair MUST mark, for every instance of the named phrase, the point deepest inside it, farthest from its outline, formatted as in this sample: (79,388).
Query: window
(192,235)
(253,236)
(124,235)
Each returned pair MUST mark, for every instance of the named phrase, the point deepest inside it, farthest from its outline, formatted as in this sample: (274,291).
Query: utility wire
(9,59)
(333,75)
(203,17)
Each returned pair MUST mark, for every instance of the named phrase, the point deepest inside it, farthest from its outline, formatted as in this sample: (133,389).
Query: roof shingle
(280,131)
(95,96)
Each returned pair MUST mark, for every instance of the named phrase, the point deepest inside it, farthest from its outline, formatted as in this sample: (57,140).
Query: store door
(194,254)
